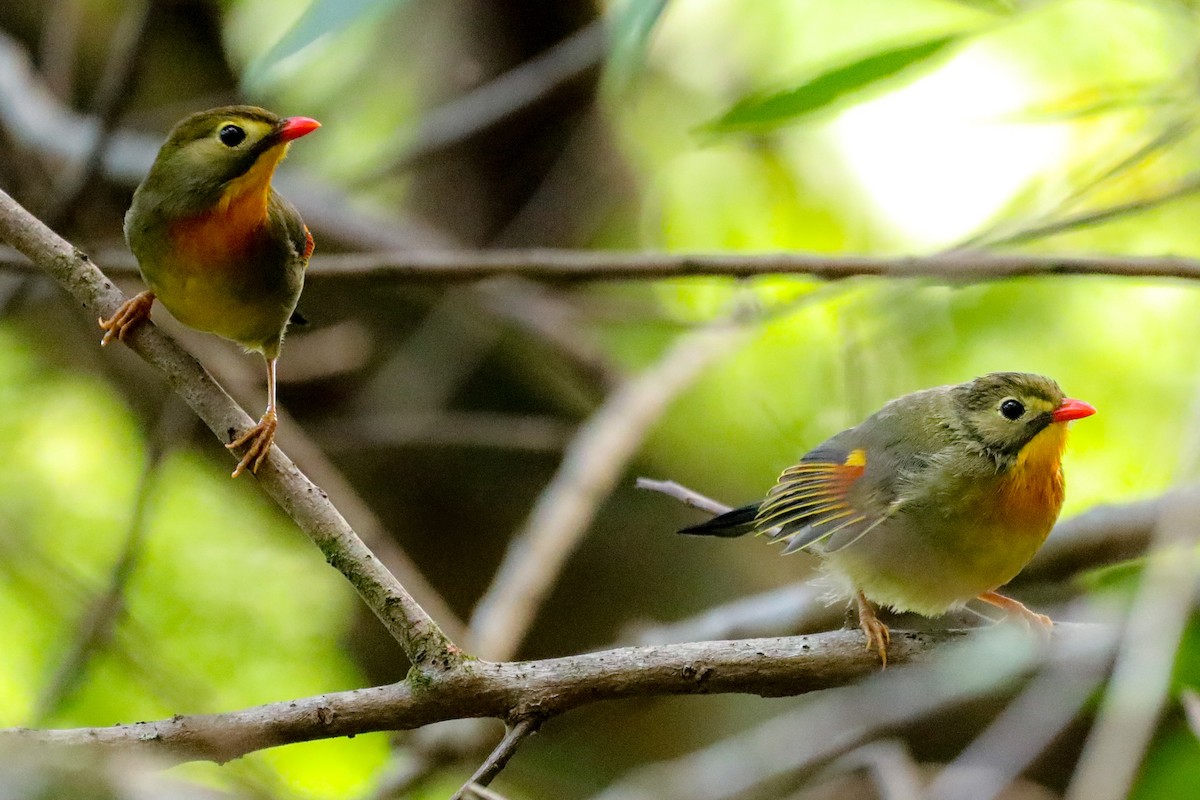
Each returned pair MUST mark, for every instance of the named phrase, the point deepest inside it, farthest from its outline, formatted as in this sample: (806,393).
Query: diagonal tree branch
(423,641)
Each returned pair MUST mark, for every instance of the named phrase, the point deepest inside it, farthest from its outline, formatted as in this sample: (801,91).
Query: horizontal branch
(608,265)
(768,667)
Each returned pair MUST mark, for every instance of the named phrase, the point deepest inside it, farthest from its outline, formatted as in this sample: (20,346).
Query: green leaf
(767,112)
(630,24)
(321,19)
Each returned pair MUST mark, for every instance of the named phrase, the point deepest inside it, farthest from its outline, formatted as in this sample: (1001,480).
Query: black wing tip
(737,522)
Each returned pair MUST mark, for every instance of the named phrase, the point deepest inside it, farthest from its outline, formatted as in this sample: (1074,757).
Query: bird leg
(877,633)
(129,315)
(258,439)
(1018,610)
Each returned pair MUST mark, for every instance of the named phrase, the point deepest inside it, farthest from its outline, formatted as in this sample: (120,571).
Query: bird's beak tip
(295,127)
(1073,409)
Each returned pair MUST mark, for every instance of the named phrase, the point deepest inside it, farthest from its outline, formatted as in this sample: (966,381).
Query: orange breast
(224,235)
(1031,494)
(215,240)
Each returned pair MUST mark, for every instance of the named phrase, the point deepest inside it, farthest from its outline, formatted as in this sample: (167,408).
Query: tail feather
(737,522)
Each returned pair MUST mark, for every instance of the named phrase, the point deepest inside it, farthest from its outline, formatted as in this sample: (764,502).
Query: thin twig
(591,467)
(304,502)
(1188,186)
(514,735)
(1172,133)
(683,494)
(1141,678)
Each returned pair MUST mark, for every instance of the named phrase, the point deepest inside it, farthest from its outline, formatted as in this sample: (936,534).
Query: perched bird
(940,497)
(217,245)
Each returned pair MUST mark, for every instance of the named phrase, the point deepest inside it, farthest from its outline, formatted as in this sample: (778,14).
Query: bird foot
(878,635)
(257,442)
(128,316)
(1017,610)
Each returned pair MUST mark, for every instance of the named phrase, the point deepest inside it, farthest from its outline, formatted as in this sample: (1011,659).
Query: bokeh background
(138,581)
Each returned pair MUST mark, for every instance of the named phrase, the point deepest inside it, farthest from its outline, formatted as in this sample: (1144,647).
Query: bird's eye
(1012,409)
(231,136)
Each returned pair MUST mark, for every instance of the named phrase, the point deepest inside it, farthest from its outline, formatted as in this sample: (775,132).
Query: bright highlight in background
(940,157)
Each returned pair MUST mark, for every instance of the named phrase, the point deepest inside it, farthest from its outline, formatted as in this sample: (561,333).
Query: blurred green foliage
(203,630)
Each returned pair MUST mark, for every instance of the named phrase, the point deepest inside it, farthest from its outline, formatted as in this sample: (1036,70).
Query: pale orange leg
(128,316)
(878,635)
(258,439)
(1018,610)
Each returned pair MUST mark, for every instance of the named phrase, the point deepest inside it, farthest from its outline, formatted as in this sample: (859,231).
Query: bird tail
(738,522)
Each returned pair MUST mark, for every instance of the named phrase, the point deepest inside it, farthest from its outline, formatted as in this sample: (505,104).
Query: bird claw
(1016,610)
(257,441)
(128,316)
(878,635)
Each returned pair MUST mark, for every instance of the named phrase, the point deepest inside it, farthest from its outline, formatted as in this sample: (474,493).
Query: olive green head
(209,150)
(1003,411)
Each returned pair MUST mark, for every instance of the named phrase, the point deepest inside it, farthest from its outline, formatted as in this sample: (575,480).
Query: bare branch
(960,266)
(591,467)
(499,758)
(591,265)
(767,667)
(304,502)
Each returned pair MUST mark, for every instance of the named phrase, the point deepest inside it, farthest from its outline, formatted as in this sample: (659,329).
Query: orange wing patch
(810,502)
(309,244)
